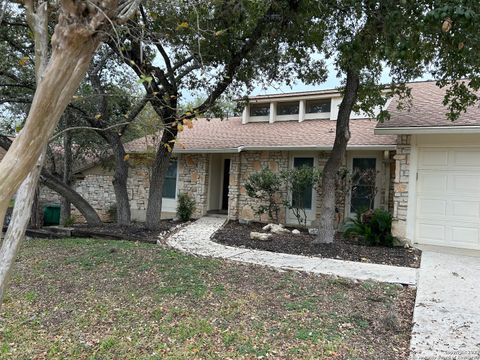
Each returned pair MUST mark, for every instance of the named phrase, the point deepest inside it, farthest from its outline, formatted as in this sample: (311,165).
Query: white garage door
(448,197)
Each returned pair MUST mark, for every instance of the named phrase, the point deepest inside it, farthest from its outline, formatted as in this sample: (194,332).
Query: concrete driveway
(447,307)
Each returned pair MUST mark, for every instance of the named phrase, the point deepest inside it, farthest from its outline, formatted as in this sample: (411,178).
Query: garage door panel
(466,209)
(428,207)
(432,182)
(464,235)
(431,232)
(465,184)
(465,158)
(433,157)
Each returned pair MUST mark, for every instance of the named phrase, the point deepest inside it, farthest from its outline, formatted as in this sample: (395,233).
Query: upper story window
(317,106)
(287,108)
(259,109)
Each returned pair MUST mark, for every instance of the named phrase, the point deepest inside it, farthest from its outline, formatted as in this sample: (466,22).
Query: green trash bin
(51,215)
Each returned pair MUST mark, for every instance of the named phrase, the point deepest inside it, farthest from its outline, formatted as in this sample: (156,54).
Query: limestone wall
(193,179)
(251,162)
(400,193)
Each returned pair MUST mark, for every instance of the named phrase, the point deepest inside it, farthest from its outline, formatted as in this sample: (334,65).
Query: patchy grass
(99,299)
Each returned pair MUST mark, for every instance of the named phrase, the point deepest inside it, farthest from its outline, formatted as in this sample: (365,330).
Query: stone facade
(252,162)
(196,171)
(193,179)
(400,193)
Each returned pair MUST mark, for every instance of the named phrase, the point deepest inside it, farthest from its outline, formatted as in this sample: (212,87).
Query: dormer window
(317,106)
(288,108)
(260,109)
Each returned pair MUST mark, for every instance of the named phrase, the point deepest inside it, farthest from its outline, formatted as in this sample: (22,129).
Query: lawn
(100,299)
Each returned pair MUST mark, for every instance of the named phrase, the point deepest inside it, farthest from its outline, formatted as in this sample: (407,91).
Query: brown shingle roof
(427,110)
(232,134)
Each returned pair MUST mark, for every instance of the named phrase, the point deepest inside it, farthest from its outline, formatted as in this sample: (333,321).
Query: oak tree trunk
(159,169)
(120,178)
(326,228)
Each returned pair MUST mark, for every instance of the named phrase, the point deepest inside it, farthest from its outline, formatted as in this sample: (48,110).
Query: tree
(219,47)
(54,183)
(107,97)
(79,31)
(364,37)
(450,31)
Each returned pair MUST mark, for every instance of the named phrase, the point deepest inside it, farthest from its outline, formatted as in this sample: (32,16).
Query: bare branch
(57,135)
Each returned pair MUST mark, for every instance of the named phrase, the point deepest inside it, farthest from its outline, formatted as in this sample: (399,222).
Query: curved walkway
(196,239)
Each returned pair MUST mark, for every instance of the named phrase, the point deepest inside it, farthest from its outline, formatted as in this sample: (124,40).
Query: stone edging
(196,239)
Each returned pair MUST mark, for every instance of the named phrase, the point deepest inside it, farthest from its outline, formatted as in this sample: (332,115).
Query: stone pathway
(447,308)
(196,239)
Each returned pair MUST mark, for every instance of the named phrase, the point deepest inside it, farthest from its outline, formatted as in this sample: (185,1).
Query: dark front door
(226,181)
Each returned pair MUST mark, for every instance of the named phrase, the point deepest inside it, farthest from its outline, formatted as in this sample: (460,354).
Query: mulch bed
(135,232)
(236,234)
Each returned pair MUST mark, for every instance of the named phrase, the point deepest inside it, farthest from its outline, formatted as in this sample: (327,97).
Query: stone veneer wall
(248,163)
(97,189)
(400,196)
(193,173)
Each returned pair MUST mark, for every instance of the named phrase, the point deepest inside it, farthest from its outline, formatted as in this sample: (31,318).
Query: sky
(331,83)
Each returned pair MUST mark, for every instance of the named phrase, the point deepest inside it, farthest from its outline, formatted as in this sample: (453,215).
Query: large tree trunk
(120,178)
(66,208)
(18,224)
(326,229)
(72,52)
(160,166)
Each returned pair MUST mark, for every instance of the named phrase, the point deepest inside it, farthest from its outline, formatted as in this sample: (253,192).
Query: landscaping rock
(313,231)
(276,229)
(296,232)
(260,236)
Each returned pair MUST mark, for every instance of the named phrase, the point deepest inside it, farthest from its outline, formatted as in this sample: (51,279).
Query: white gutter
(470,129)
(208,151)
(282,148)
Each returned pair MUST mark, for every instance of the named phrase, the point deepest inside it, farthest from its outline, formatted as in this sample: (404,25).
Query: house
(427,168)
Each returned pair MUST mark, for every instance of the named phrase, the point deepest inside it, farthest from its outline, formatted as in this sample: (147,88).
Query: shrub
(265,186)
(186,207)
(373,229)
(69,221)
(298,181)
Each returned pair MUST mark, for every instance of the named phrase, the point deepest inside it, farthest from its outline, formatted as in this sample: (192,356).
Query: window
(317,106)
(287,108)
(259,109)
(299,162)
(363,184)
(170,181)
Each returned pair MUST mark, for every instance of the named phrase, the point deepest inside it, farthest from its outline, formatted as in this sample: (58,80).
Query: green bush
(186,207)
(372,229)
(69,221)
(265,186)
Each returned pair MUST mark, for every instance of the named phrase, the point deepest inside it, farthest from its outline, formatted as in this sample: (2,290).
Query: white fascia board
(474,129)
(208,151)
(280,148)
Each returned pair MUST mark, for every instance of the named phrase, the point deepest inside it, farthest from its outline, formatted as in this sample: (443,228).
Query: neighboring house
(428,169)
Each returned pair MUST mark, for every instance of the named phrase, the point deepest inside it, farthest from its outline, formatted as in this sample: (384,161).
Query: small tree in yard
(298,182)
(265,187)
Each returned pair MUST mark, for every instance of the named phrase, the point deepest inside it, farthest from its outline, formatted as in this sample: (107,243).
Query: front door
(226,182)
